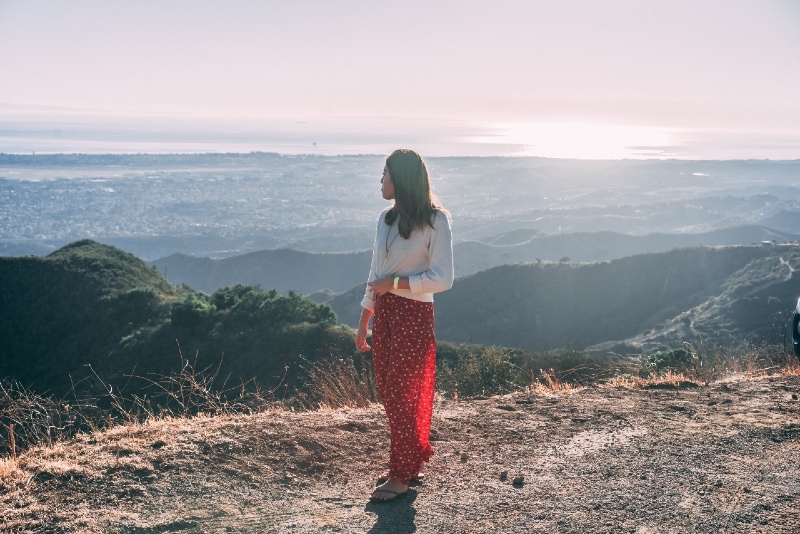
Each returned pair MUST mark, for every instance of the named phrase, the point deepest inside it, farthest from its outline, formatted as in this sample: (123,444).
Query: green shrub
(226,298)
(479,371)
(470,370)
(194,310)
(673,360)
(272,309)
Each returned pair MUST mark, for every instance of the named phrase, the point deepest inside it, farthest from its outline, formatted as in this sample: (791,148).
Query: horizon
(32,131)
(578,80)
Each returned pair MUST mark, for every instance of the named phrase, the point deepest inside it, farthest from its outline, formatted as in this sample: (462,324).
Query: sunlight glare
(582,140)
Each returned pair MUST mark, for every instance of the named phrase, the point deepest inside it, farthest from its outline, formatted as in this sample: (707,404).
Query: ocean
(347,136)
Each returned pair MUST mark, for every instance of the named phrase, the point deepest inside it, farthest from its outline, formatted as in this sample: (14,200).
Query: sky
(659,78)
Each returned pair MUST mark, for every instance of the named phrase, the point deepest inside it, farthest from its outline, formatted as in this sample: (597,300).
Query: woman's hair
(414,203)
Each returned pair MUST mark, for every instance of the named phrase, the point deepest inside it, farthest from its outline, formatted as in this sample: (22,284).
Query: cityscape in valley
(220,205)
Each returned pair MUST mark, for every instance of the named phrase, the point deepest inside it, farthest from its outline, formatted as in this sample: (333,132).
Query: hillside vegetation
(717,294)
(640,304)
(100,320)
(91,322)
(90,311)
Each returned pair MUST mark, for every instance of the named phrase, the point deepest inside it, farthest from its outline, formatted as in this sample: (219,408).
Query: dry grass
(10,473)
(548,382)
(30,421)
(702,367)
(670,379)
(705,367)
(750,360)
(792,368)
(342,382)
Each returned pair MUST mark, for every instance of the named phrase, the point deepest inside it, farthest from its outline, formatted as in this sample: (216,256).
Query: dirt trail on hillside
(720,458)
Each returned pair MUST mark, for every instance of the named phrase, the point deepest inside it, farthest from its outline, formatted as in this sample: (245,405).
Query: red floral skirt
(404,357)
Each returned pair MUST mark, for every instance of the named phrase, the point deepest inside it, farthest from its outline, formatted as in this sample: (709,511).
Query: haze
(714,80)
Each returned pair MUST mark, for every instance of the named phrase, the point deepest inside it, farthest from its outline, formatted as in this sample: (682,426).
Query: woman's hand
(361,340)
(382,285)
(361,334)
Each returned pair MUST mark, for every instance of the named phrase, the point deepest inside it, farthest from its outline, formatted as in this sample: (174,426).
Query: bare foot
(389,490)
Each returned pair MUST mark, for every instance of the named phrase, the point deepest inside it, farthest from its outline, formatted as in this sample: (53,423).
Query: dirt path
(722,458)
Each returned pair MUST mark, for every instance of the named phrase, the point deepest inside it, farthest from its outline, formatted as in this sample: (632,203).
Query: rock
(519,480)
(464,457)
(503,476)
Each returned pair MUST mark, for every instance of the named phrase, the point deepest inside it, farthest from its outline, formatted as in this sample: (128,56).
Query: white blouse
(426,258)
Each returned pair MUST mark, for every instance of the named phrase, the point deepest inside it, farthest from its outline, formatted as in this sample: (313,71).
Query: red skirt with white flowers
(404,357)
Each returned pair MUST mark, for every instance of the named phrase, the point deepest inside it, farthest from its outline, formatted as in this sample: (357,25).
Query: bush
(226,298)
(470,370)
(194,310)
(276,310)
(674,360)
(480,371)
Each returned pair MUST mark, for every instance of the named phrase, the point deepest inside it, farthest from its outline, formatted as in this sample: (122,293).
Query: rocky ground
(718,458)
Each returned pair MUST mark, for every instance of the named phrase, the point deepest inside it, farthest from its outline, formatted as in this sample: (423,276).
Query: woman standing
(412,259)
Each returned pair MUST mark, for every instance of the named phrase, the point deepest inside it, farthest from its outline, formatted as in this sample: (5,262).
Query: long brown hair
(414,203)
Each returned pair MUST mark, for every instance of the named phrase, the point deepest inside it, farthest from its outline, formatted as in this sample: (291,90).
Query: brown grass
(28,420)
(342,382)
(792,368)
(709,366)
(668,379)
(548,382)
(10,473)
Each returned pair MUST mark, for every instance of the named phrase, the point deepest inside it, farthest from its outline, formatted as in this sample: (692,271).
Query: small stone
(464,457)
(503,476)
(518,480)
(794,396)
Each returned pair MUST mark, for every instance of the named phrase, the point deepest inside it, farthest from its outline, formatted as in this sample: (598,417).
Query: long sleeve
(440,272)
(425,257)
(368,301)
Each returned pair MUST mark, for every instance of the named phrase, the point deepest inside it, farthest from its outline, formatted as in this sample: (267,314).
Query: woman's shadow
(396,517)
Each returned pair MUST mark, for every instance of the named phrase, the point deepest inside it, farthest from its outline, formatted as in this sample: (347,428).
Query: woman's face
(387,187)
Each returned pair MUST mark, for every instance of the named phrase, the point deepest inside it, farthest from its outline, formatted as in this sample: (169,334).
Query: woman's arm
(361,334)
(368,301)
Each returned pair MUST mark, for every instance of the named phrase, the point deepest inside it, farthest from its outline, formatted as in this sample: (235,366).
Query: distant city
(225,204)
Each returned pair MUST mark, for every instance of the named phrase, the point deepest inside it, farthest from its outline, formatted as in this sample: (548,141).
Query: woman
(412,259)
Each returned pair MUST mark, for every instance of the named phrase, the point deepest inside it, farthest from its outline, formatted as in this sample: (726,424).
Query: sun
(579,140)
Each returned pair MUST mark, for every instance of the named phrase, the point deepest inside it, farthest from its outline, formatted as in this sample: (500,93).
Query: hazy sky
(660,63)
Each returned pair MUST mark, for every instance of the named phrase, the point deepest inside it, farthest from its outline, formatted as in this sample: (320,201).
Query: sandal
(413,481)
(394,496)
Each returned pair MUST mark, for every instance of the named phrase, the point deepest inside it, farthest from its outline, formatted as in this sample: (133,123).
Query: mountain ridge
(306,272)
(631,305)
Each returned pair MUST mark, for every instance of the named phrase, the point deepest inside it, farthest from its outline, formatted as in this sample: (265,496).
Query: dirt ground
(719,458)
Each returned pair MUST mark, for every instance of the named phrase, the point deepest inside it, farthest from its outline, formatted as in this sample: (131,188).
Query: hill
(283,270)
(723,457)
(656,301)
(305,272)
(90,310)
